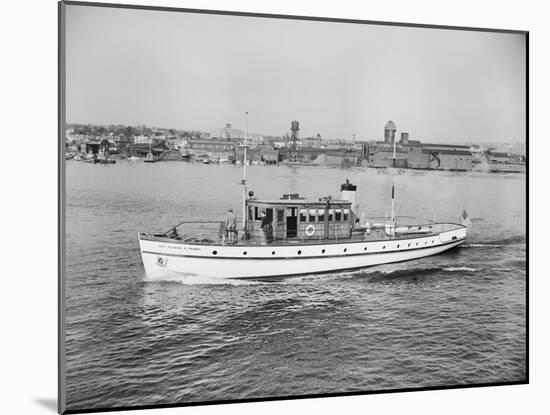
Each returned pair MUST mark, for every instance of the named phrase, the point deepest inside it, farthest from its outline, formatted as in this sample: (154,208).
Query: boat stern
(453,232)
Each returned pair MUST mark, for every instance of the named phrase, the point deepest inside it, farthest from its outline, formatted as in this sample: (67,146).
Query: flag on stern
(465,219)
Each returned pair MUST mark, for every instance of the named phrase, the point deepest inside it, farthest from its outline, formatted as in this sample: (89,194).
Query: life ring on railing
(310,230)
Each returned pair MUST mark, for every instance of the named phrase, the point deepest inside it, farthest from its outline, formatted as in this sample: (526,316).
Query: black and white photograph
(262,207)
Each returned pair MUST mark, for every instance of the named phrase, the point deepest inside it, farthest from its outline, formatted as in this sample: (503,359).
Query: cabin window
(330,215)
(280,215)
(338,215)
(250,214)
(269,214)
(303,215)
(257,213)
(346,215)
(312,215)
(321,215)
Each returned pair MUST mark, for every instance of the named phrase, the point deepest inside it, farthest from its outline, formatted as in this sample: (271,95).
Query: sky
(195,71)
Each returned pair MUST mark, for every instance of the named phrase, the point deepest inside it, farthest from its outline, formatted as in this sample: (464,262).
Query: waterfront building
(122,139)
(498,161)
(142,139)
(262,153)
(415,154)
(477,153)
(156,148)
(416,158)
(310,142)
(498,157)
(177,143)
(381,155)
(302,155)
(214,148)
(448,159)
(342,157)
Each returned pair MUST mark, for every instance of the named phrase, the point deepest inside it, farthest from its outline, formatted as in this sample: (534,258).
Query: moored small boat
(150,158)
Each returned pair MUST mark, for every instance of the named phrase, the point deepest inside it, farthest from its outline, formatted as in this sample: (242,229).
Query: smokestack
(349,192)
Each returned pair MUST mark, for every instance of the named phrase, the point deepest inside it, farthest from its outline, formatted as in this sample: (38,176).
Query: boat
(105,160)
(150,158)
(307,236)
(133,158)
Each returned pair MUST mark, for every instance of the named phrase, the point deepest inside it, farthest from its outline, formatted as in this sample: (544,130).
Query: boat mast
(243,181)
(393,186)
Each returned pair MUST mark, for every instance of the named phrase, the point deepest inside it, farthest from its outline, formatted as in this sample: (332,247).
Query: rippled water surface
(456,318)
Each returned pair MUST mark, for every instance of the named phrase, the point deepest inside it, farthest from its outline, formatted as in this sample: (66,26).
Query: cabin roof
(297,202)
(447,151)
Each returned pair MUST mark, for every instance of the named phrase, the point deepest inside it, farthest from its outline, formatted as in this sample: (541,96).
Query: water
(456,318)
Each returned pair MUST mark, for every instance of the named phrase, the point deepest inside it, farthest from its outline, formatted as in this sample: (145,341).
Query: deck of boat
(207,235)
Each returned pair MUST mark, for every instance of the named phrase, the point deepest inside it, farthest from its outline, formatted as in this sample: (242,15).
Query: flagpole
(393,187)
(243,181)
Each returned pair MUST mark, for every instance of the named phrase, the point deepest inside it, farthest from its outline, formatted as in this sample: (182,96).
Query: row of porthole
(323,251)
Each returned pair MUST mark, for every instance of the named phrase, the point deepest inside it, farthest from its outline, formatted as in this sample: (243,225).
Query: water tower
(227,131)
(294,128)
(389,132)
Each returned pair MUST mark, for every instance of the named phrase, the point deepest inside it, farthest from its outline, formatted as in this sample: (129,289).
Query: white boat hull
(160,255)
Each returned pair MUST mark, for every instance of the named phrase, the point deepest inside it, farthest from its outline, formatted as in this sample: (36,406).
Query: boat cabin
(295,218)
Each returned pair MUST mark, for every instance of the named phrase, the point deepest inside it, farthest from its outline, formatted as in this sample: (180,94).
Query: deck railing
(214,233)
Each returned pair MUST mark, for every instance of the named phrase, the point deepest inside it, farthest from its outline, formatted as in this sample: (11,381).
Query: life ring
(310,230)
